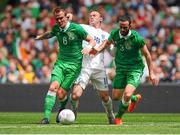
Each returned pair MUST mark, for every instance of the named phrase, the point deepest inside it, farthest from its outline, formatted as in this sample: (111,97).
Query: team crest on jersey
(71,35)
(121,48)
(128,45)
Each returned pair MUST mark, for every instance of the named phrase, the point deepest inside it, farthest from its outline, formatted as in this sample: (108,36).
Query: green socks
(133,98)
(122,109)
(124,106)
(63,102)
(48,106)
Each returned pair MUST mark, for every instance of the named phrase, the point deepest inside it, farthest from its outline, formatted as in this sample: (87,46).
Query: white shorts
(97,77)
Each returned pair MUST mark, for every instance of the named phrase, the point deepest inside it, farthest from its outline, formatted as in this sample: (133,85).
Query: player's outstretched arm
(45,35)
(102,46)
(154,79)
(92,43)
(105,45)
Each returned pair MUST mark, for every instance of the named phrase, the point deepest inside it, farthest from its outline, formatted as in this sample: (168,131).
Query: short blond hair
(56,10)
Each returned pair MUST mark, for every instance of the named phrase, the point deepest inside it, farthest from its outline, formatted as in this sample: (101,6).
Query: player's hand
(93,52)
(154,79)
(69,16)
(38,37)
(86,51)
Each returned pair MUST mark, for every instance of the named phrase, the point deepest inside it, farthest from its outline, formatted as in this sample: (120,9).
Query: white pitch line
(88,125)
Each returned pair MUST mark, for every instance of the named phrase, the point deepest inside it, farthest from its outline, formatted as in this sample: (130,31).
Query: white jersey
(99,36)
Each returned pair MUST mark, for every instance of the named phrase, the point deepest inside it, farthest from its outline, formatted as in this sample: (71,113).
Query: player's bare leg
(117,95)
(125,100)
(74,97)
(63,99)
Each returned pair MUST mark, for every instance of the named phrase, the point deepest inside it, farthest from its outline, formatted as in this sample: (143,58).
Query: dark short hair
(58,9)
(125,18)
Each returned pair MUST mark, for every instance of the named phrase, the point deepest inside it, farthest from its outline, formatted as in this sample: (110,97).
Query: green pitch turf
(91,123)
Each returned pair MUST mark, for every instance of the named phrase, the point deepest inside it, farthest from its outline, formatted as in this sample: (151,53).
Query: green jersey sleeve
(81,32)
(140,41)
(54,30)
(110,38)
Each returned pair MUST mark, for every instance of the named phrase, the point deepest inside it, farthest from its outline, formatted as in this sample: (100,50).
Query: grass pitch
(90,123)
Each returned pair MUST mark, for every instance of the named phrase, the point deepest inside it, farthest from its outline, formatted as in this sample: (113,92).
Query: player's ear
(101,19)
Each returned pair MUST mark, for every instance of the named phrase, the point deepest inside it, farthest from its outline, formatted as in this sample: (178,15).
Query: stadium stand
(26,60)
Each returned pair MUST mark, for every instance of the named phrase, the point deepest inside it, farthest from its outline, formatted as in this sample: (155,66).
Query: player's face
(61,19)
(94,18)
(124,27)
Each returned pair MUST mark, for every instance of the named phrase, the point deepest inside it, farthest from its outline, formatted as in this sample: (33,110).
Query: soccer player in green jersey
(130,47)
(68,65)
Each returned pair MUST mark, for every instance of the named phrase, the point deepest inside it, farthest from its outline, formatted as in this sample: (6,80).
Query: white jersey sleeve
(99,36)
(89,29)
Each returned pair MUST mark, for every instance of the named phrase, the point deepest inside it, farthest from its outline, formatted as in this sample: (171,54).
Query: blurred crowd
(26,60)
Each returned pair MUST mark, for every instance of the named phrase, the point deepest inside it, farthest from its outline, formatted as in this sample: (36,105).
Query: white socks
(108,105)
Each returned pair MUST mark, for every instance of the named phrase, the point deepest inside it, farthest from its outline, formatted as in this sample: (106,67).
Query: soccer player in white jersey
(93,68)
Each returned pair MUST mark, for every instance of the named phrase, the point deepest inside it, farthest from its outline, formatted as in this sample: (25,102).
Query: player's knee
(61,93)
(127,96)
(104,97)
(54,86)
(77,92)
(115,97)
(116,94)
(76,96)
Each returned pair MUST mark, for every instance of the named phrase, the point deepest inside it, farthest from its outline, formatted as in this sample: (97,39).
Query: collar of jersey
(67,26)
(125,37)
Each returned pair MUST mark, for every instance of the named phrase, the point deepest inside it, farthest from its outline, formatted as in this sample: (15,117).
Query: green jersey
(128,56)
(70,42)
